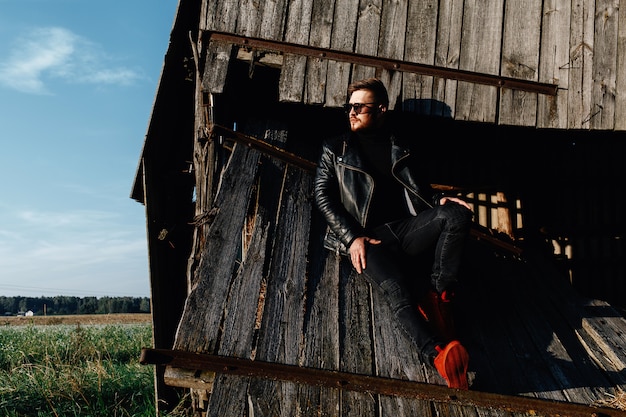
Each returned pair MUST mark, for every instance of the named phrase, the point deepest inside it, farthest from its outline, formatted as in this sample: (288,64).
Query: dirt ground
(76,319)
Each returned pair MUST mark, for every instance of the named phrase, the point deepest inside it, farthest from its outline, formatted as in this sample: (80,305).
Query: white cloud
(57,53)
(78,218)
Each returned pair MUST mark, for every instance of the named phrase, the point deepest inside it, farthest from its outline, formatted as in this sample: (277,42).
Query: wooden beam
(384,63)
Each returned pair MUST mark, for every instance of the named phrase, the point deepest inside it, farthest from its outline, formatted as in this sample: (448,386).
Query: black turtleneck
(388,201)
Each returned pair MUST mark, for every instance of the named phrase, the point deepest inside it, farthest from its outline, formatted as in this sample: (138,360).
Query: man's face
(369,115)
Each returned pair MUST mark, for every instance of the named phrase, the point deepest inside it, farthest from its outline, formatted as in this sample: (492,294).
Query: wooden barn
(519,107)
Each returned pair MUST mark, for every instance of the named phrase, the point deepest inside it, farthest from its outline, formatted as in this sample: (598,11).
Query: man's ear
(382,108)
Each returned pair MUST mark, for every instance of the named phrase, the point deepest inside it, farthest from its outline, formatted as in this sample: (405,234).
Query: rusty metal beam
(264,147)
(385,63)
(483,234)
(370,384)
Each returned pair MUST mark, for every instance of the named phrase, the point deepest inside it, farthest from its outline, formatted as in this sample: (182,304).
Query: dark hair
(374,85)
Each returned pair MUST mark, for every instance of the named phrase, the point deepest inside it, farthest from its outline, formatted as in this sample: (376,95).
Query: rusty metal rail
(264,147)
(370,384)
(385,63)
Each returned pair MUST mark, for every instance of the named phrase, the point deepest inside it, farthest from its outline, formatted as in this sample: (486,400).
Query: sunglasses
(358,107)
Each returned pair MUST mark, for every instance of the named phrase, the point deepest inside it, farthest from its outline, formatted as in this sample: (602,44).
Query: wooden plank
(291,83)
(547,363)
(246,295)
(286,279)
(505,374)
(218,56)
(608,332)
(342,39)
(580,64)
(582,381)
(280,334)
(321,335)
(189,378)
(485,318)
(447,53)
(553,59)
(480,52)
(316,72)
(520,59)
(604,64)
(199,328)
(220,15)
(486,412)
(561,307)
(249,18)
(620,83)
(368,33)
(273,19)
(391,45)
(419,47)
(480,335)
(535,380)
(396,358)
(357,353)
(337,84)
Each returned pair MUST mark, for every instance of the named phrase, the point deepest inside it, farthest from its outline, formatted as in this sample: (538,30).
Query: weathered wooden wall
(578,45)
(264,289)
(281,298)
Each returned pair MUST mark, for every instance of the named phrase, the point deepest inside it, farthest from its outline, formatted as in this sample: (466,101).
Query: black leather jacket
(343,190)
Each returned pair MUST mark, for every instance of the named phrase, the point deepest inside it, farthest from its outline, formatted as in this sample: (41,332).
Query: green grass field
(75,370)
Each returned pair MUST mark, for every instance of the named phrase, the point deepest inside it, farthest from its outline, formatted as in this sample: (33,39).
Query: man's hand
(358,251)
(444,200)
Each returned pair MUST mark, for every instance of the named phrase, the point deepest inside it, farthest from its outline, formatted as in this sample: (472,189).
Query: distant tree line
(64,305)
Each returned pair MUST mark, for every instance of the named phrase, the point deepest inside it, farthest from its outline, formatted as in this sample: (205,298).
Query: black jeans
(394,265)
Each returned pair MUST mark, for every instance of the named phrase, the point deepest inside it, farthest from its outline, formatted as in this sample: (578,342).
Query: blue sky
(77,84)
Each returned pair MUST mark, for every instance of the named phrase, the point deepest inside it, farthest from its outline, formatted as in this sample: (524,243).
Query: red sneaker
(451,363)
